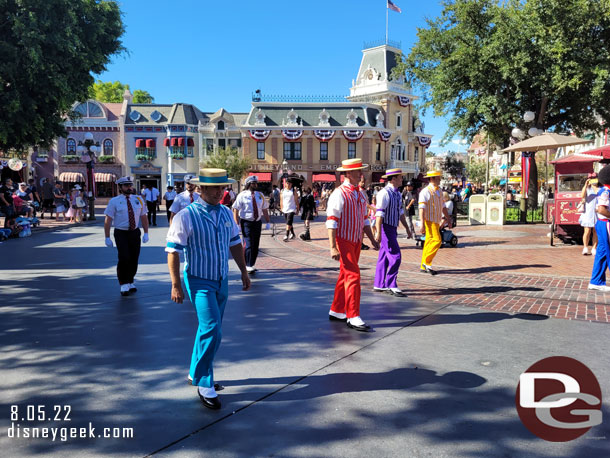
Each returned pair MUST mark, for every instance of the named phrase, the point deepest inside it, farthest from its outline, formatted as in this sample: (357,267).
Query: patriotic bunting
(259,135)
(385,136)
(424,141)
(292,135)
(353,135)
(324,135)
(403,101)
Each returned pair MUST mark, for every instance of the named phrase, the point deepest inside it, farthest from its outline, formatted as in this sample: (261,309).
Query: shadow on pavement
(478,270)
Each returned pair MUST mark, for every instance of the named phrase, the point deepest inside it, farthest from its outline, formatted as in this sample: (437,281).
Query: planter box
(70,158)
(177,156)
(143,157)
(106,159)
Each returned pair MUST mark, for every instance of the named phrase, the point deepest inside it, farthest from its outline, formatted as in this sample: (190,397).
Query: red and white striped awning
(105,177)
(71,177)
(323,178)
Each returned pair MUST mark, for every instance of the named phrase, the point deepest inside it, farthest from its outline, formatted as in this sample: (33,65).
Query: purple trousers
(389,258)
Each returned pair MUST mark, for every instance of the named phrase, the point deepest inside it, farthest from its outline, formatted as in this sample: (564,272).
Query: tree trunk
(532,193)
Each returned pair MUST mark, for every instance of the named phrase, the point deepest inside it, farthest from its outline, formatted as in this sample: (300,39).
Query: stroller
(447,237)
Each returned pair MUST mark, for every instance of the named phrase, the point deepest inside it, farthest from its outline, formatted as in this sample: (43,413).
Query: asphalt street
(432,380)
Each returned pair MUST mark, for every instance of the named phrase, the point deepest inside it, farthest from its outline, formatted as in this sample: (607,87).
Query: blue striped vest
(207,253)
(392,213)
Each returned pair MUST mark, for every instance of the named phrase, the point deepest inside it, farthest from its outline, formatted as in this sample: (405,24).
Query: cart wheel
(453,241)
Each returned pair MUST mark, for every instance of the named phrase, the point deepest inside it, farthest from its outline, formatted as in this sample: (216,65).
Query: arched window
(108,150)
(90,109)
(400,151)
(71,146)
(221,125)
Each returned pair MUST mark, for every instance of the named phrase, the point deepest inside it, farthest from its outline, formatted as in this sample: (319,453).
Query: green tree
(452,166)
(49,50)
(112,92)
(231,160)
(484,63)
(475,171)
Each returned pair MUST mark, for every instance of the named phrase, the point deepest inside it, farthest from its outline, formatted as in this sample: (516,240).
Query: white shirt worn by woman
(289,204)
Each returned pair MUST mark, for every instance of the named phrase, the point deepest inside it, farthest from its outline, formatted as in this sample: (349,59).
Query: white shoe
(285,238)
(291,236)
(207,392)
(397,292)
(585,252)
(593,251)
(250,269)
(125,289)
(340,316)
(381,290)
(602,288)
(356,321)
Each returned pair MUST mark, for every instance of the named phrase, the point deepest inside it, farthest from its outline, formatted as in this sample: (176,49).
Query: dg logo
(559,399)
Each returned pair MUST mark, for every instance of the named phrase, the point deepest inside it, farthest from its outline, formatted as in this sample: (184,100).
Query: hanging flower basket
(142,157)
(176,155)
(106,159)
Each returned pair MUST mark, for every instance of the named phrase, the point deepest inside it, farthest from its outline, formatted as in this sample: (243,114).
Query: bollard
(523,208)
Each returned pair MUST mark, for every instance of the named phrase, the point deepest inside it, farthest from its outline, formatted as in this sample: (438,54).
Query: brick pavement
(510,269)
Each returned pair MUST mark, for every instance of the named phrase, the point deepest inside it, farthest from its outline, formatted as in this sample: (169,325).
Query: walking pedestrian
(602,226)
(588,217)
(151,196)
(184,199)
(248,209)
(290,206)
(408,198)
(346,221)
(310,211)
(431,212)
(61,203)
(47,198)
(127,213)
(205,232)
(389,214)
(169,197)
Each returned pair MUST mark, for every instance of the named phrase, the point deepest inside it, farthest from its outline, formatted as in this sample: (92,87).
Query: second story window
(221,125)
(416,157)
(260,150)
(351,150)
(209,145)
(378,152)
(324,151)
(292,151)
(71,146)
(398,121)
(108,149)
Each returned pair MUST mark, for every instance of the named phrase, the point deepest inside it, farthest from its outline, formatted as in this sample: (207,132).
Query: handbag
(80,203)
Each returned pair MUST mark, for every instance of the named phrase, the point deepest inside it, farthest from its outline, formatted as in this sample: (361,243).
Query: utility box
(477,211)
(495,209)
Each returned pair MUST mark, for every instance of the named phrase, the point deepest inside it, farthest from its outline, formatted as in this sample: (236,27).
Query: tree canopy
(112,92)
(229,159)
(50,49)
(484,63)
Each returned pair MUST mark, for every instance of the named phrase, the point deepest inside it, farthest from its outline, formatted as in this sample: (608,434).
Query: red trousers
(347,291)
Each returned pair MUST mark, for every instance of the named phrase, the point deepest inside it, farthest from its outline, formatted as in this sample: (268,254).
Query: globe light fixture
(529,116)
(89,136)
(518,133)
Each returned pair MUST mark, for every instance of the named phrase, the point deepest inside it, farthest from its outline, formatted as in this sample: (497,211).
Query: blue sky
(215,54)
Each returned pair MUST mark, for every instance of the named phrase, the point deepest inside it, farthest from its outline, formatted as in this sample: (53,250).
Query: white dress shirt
(182,201)
(243,204)
(289,204)
(170,195)
(118,211)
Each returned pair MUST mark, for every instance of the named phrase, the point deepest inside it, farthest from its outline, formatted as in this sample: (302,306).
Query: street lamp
(88,150)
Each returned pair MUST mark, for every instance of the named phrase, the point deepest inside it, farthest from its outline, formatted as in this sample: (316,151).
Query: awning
(502,182)
(265,176)
(181,141)
(603,151)
(105,177)
(166,141)
(150,143)
(174,141)
(190,142)
(140,143)
(580,157)
(323,178)
(71,177)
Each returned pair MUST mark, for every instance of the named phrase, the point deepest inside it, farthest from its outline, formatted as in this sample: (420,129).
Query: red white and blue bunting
(324,135)
(292,135)
(353,135)
(403,101)
(424,141)
(259,135)
(385,136)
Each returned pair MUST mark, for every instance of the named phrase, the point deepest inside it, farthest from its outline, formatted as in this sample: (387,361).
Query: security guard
(127,213)
(184,199)
(248,209)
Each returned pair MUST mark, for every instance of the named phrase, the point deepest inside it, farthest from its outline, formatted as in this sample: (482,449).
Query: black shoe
(363,328)
(133,290)
(210,403)
(334,318)
(302,237)
(365,247)
(154,224)
(124,293)
(428,270)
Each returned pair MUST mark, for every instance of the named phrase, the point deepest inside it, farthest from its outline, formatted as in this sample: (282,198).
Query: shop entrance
(149,181)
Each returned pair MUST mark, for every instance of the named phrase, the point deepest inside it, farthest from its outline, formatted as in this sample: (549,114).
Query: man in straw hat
(431,213)
(184,199)
(602,227)
(205,231)
(127,213)
(389,214)
(346,220)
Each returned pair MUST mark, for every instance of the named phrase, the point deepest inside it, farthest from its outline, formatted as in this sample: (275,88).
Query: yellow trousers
(432,244)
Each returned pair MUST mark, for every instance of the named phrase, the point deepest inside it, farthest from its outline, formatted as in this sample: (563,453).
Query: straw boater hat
(433,173)
(389,173)
(351,164)
(212,177)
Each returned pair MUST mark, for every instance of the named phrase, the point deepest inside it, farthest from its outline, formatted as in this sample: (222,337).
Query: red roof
(603,151)
(577,158)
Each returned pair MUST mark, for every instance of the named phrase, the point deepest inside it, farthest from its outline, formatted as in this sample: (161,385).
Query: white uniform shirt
(151,194)
(182,201)
(334,208)
(169,195)
(289,204)
(243,204)
(117,210)
(182,228)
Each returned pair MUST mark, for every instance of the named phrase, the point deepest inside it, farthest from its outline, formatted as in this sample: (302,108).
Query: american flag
(393,7)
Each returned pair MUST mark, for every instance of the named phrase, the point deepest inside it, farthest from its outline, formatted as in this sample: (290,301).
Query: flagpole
(386,22)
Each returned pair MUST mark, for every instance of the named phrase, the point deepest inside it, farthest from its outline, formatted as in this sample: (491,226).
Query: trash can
(495,209)
(477,208)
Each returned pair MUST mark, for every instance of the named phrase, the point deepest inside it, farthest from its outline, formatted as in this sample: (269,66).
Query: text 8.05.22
(40,413)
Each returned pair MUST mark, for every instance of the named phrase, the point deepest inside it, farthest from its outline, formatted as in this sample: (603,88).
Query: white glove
(145,237)
(267,226)
(108,242)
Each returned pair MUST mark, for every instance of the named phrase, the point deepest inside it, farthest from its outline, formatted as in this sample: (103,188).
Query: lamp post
(88,150)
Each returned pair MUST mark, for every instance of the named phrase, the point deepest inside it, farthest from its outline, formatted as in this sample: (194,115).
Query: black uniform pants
(152,212)
(128,246)
(168,203)
(251,231)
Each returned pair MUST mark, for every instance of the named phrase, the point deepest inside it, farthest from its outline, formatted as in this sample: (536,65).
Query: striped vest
(351,224)
(392,212)
(207,252)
